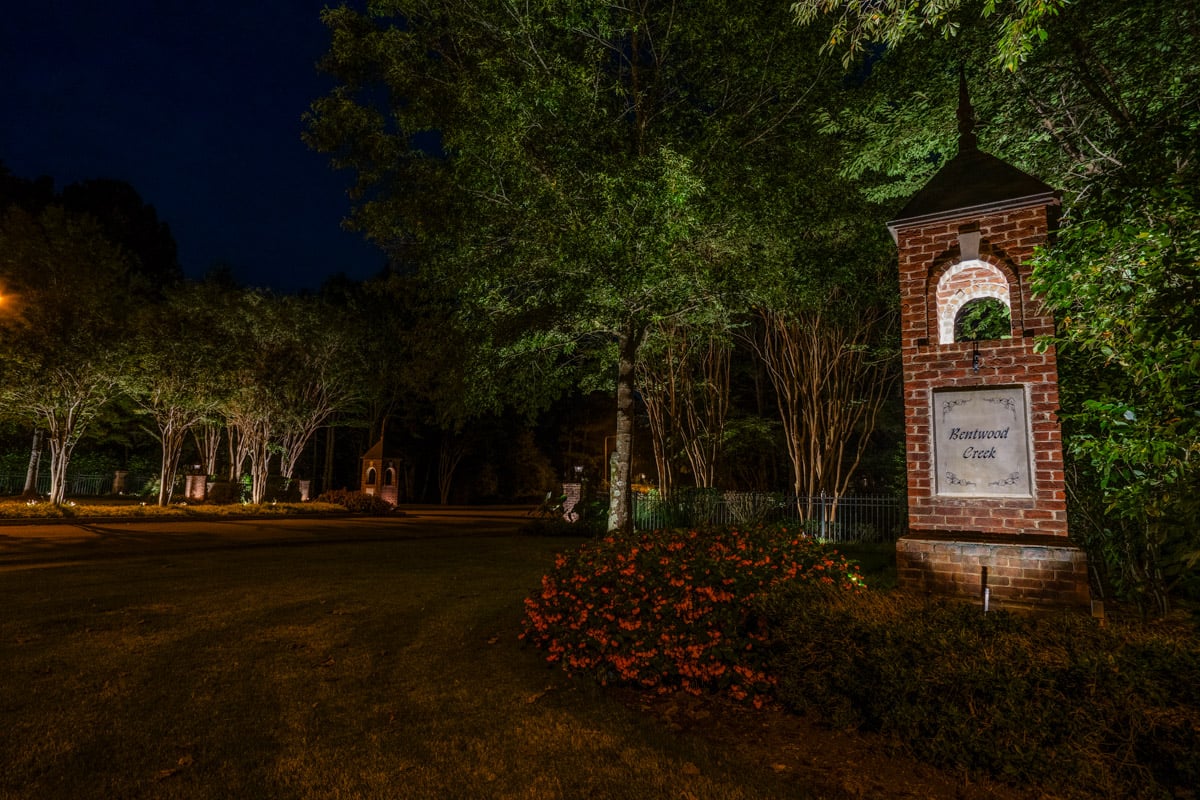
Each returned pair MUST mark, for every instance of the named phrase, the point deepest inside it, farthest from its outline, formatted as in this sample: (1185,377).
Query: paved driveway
(55,543)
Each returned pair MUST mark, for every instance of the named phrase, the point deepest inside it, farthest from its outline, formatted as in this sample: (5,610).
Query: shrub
(357,502)
(671,609)
(1054,701)
(224,491)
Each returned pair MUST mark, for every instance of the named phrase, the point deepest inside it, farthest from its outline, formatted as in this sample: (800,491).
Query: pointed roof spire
(967,140)
(973,182)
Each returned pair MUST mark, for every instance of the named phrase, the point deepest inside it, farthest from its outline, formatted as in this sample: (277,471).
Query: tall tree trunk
(327,473)
(660,438)
(620,499)
(172,445)
(35,462)
(451,452)
(705,407)
(239,451)
(208,443)
(61,448)
(260,461)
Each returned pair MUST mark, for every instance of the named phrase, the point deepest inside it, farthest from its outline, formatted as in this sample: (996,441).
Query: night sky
(197,105)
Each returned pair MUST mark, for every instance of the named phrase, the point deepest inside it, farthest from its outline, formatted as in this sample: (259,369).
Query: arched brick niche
(960,284)
(972,268)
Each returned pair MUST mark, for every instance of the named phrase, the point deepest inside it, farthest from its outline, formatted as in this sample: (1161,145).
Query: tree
(325,375)
(551,164)
(832,374)
(860,25)
(1130,331)
(294,367)
(683,375)
(178,370)
(130,222)
(65,289)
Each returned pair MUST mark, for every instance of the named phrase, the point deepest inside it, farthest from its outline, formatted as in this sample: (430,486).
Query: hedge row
(1053,701)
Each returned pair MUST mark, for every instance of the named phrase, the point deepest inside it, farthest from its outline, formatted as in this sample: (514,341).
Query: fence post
(824,530)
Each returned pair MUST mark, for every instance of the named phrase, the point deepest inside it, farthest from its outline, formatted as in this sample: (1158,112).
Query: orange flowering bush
(671,609)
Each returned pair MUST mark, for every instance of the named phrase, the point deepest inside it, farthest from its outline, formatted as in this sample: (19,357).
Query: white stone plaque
(981,443)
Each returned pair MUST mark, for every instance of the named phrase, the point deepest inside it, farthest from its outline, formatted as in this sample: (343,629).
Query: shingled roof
(973,182)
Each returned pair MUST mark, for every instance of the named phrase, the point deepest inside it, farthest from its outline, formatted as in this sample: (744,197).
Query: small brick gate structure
(380,472)
(986,498)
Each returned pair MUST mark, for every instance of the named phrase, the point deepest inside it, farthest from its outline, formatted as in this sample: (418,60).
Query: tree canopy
(554,166)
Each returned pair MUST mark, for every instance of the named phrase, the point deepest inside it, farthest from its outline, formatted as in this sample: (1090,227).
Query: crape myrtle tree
(1106,108)
(326,378)
(295,367)
(553,165)
(824,325)
(125,221)
(178,370)
(821,310)
(683,378)
(65,291)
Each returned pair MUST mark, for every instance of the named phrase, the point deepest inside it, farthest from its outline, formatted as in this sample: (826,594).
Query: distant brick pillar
(572,493)
(195,488)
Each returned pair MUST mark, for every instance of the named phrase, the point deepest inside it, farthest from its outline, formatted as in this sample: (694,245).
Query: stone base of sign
(1024,570)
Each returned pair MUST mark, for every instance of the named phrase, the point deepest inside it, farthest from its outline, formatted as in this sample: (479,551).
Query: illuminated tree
(325,377)
(294,368)
(177,370)
(833,373)
(859,25)
(554,169)
(683,379)
(66,296)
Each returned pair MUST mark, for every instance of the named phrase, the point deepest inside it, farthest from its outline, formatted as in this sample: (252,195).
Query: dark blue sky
(198,106)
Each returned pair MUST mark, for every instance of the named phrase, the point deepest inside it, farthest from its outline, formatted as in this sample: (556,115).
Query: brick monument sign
(986,500)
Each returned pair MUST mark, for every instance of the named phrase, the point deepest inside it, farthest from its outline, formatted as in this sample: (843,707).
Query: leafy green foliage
(861,24)
(1050,701)
(983,319)
(571,175)
(1129,340)
(671,609)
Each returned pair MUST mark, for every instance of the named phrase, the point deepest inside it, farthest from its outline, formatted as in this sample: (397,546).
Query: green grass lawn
(381,669)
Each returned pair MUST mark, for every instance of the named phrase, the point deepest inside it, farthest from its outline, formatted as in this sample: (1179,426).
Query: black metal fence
(79,485)
(869,518)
